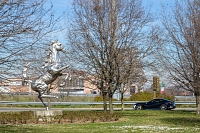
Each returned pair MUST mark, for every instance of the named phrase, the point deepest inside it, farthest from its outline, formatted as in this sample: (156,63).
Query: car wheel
(138,107)
(163,107)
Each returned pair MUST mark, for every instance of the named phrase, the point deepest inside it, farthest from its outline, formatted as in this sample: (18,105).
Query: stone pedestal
(46,113)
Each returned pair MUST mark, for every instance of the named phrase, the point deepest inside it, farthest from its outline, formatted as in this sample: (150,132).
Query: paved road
(14,109)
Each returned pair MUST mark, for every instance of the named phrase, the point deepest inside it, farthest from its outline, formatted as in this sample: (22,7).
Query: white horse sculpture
(52,70)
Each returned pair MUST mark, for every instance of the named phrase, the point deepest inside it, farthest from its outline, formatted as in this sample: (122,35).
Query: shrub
(142,96)
(100,98)
(170,97)
(146,96)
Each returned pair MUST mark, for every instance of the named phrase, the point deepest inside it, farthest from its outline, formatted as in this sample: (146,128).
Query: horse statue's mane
(52,70)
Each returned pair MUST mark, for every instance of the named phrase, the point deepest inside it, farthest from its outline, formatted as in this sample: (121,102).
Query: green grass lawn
(135,121)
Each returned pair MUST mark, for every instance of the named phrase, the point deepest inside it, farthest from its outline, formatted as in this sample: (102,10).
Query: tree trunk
(122,101)
(197,102)
(104,93)
(110,104)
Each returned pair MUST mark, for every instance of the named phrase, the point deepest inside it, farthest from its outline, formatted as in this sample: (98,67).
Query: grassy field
(142,121)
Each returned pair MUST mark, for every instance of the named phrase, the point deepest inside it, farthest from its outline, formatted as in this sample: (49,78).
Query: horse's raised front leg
(56,70)
(62,68)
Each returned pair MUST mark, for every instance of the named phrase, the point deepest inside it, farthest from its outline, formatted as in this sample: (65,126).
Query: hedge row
(27,117)
(142,96)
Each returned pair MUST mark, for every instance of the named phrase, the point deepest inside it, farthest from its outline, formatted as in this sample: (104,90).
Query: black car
(160,103)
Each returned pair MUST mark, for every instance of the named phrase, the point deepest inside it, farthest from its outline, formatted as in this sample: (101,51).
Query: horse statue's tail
(24,72)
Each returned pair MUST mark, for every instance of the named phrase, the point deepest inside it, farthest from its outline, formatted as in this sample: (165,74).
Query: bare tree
(24,26)
(129,72)
(181,45)
(100,36)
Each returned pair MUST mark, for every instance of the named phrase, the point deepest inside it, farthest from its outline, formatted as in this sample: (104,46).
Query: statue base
(47,115)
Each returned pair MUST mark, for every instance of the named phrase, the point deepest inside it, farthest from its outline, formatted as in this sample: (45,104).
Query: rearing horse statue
(53,69)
